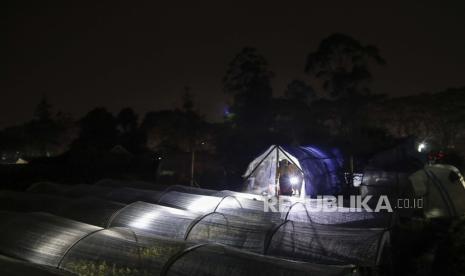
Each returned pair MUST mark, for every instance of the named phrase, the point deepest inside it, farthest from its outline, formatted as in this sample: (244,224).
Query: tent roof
(321,168)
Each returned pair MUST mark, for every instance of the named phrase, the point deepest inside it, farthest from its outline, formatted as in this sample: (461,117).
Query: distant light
(294,180)
(421,147)
(226,112)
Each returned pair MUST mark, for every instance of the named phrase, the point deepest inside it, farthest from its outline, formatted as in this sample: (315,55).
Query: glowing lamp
(421,147)
(294,180)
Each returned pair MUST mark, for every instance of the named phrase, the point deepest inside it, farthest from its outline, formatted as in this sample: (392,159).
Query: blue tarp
(322,169)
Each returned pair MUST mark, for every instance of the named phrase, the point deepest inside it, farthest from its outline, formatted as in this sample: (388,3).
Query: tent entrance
(261,176)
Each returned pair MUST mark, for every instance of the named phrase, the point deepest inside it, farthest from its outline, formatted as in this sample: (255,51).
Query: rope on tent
(166,267)
(290,159)
(259,163)
(199,219)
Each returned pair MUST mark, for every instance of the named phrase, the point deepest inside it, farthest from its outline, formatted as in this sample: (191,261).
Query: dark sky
(142,54)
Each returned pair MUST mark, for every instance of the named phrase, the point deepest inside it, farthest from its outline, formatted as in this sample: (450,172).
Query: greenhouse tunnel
(39,237)
(85,249)
(328,244)
(224,228)
(227,203)
(296,211)
(89,210)
(235,262)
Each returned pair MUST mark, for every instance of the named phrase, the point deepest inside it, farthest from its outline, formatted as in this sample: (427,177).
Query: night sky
(142,55)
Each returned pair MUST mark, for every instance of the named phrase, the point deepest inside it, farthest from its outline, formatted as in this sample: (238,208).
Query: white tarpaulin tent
(321,170)
(261,172)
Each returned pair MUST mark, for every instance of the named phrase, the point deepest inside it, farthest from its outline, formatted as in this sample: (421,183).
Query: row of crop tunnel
(113,230)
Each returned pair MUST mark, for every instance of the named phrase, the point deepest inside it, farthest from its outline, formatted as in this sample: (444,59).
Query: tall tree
(188,100)
(248,80)
(98,130)
(300,91)
(43,111)
(43,132)
(342,64)
(130,136)
(127,120)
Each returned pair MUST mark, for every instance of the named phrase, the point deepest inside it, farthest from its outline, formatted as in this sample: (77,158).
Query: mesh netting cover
(13,267)
(216,260)
(90,210)
(118,251)
(156,219)
(328,244)
(291,209)
(87,250)
(38,237)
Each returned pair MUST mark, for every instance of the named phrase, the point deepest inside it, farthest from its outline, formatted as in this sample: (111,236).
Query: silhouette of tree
(248,81)
(188,101)
(342,64)
(434,116)
(42,134)
(299,91)
(174,130)
(448,113)
(43,111)
(131,137)
(98,131)
(127,120)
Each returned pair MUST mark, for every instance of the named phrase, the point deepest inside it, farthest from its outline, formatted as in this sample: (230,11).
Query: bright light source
(421,147)
(294,180)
